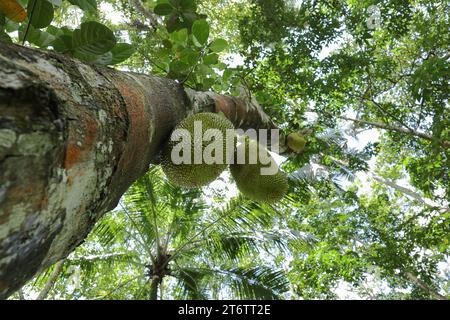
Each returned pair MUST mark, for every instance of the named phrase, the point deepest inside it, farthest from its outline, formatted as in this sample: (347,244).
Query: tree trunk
(154,288)
(73,138)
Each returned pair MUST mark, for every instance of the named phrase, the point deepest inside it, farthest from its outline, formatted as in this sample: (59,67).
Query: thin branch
(436,295)
(51,281)
(409,192)
(29,22)
(98,257)
(406,191)
(444,143)
(150,16)
(119,286)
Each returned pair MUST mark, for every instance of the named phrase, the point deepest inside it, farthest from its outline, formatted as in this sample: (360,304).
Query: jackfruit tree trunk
(73,138)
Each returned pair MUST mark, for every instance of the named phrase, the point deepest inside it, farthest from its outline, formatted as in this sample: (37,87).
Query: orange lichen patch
(34,189)
(73,153)
(129,94)
(79,146)
(138,135)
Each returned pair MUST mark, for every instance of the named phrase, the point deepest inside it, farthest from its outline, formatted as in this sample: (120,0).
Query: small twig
(29,23)
(51,281)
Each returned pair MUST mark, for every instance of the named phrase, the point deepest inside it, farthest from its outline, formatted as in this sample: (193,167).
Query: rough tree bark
(73,138)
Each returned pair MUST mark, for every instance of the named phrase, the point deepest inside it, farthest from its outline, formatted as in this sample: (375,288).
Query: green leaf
(174,3)
(11,26)
(189,56)
(121,52)
(204,70)
(180,36)
(177,68)
(93,38)
(63,44)
(219,45)
(187,5)
(221,66)
(86,5)
(200,30)
(163,9)
(118,54)
(189,16)
(227,74)
(208,82)
(42,13)
(167,44)
(42,39)
(2,20)
(54,31)
(212,58)
(173,22)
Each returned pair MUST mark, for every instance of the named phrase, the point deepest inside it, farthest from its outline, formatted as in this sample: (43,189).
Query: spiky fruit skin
(296,142)
(254,185)
(196,175)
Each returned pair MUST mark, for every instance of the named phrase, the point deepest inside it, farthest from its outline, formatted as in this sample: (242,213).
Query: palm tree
(166,242)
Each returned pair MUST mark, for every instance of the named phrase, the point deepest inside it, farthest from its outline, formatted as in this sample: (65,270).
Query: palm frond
(331,136)
(189,281)
(310,173)
(239,245)
(257,282)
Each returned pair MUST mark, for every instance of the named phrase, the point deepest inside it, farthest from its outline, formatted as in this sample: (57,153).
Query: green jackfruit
(191,174)
(296,142)
(251,181)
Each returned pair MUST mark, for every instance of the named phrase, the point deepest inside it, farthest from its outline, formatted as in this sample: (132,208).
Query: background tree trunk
(73,138)
(154,284)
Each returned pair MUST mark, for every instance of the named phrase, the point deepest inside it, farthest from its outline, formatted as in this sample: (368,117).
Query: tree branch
(436,295)
(51,281)
(151,17)
(444,143)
